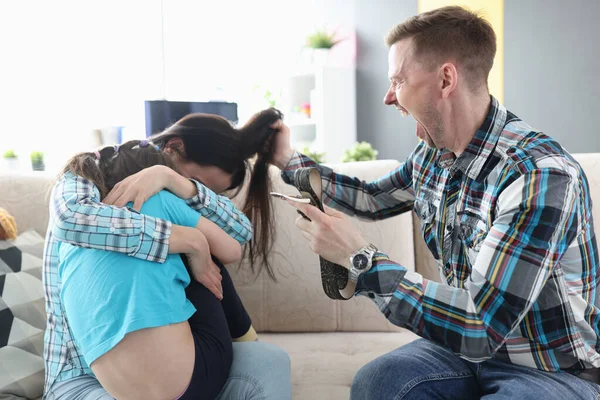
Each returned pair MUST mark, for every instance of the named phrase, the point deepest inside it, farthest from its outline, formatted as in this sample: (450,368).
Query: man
(505,211)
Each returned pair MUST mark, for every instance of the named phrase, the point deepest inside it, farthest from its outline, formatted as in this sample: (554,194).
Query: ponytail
(257,141)
(87,165)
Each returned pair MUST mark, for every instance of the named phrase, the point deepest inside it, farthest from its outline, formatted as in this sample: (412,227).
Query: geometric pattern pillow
(22,317)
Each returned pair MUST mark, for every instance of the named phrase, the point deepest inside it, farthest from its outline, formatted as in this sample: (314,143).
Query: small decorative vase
(320,57)
(38,165)
(11,164)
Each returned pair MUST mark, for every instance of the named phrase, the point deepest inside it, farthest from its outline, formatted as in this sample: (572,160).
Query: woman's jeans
(424,370)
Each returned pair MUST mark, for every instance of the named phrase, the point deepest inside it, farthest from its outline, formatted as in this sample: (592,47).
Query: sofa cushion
(22,317)
(324,364)
(25,197)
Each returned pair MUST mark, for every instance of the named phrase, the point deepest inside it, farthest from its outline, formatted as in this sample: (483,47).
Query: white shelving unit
(331,93)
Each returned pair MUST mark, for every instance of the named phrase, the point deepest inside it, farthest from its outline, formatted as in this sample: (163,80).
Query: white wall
(382,126)
(71,66)
(551,69)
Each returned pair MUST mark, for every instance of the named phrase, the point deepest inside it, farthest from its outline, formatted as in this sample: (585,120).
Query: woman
(230,150)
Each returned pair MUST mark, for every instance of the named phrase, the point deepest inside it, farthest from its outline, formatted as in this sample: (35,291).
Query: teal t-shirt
(106,294)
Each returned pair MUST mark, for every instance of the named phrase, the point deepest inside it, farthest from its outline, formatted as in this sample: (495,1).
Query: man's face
(414,90)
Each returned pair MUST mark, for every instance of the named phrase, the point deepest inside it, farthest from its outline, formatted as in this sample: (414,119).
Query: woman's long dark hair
(211,140)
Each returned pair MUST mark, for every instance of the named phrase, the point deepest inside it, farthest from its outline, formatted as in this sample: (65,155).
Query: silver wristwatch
(361,261)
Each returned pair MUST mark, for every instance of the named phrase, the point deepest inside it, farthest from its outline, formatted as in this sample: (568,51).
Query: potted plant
(37,161)
(11,160)
(321,39)
(321,43)
(362,151)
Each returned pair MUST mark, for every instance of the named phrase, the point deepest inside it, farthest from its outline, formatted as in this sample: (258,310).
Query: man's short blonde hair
(450,34)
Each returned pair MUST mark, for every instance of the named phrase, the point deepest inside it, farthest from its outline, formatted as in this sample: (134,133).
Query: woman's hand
(139,187)
(202,267)
(194,245)
(206,272)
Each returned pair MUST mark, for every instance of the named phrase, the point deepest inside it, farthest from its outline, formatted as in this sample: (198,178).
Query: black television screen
(160,114)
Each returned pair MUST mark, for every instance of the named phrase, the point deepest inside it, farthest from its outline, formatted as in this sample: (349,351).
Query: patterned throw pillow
(22,317)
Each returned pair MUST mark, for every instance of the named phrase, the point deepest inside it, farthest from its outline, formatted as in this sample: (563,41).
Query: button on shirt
(510,224)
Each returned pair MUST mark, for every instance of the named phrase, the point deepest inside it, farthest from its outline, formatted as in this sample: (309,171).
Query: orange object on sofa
(8,226)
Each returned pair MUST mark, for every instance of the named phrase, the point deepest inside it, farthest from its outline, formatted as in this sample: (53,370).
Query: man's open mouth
(403,110)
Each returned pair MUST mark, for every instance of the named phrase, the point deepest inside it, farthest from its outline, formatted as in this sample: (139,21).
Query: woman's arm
(226,247)
(222,246)
(139,187)
(221,211)
(77,217)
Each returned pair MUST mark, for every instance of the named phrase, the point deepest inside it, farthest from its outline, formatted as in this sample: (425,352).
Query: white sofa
(328,341)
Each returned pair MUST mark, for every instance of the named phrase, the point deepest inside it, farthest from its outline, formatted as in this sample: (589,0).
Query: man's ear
(449,78)
(175,146)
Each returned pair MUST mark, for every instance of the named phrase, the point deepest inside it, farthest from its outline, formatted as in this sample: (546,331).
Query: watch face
(360,261)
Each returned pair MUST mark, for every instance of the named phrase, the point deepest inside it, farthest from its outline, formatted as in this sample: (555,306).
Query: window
(69,67)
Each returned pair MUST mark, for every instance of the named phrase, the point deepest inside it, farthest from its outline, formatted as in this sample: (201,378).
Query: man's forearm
(383,198)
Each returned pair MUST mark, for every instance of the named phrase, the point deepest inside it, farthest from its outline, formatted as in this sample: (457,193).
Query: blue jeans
(260,371)
(424,370)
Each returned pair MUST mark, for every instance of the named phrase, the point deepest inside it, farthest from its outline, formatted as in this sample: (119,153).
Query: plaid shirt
(78,217)
(510,224)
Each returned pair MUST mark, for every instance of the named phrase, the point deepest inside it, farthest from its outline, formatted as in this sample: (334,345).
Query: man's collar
(472,160)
